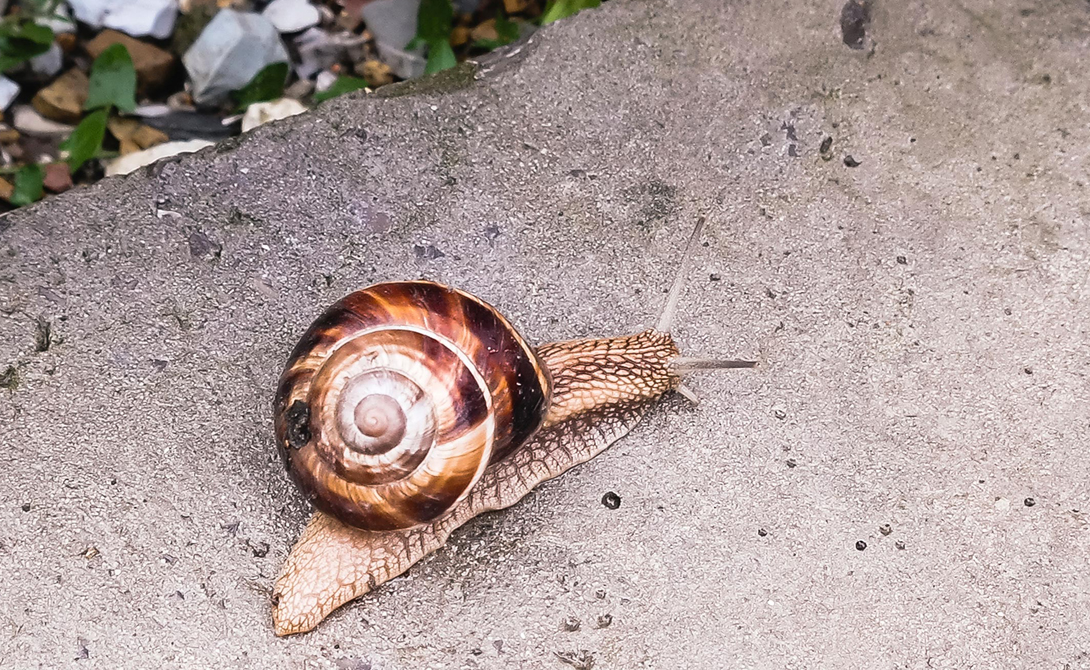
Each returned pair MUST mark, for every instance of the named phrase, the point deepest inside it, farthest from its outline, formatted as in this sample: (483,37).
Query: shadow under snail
(408,408)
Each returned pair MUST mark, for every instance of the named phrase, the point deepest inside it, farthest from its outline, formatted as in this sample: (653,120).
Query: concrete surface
(923,319)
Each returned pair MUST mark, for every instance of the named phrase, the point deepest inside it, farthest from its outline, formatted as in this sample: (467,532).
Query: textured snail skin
(600,390)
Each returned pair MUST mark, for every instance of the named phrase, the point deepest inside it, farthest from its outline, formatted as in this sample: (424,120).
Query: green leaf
(22,40)
(562,9)
(268,84)
(340,87)
(85,140)
(440,57)
(113,80)
(28,185)
(434,20)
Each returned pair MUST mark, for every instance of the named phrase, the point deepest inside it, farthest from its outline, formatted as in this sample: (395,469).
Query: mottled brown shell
(398,397)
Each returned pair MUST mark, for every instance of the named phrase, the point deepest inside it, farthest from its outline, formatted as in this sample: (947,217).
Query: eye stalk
(679,365)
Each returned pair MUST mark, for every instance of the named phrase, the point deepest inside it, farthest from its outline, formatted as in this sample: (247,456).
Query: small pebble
(902,260)
(611,500)
(885,529)
(600,594)
(791,463)
(779,413)
(1029,502)
(860,545)
(900,544)
(26,507)
(851,162)
(571,624)
(762,532)
(604,620)
(715,276)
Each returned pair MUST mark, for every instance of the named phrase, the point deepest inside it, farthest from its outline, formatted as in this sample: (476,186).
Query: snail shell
(399,396)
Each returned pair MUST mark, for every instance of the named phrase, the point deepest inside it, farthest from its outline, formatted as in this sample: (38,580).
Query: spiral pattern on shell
(398,397)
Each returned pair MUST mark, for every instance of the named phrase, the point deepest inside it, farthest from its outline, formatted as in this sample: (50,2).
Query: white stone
(138,159)
(28,121)
(8,91)
(324,81)
(139,18)
(274,110)
(393,25)
(231,49)
(291,16)
(46,66)
(60,21)
(153,18)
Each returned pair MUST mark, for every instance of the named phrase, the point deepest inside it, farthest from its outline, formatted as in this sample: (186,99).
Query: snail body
(408,408)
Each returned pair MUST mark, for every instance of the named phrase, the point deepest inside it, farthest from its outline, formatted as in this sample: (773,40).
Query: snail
(407,408)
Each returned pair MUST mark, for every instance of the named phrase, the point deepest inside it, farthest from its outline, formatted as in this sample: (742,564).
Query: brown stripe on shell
(517,382)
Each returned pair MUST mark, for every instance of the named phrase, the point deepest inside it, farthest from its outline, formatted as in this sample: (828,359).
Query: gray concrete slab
(922,317)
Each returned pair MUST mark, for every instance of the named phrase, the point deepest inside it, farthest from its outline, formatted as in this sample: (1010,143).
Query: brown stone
(57,177)
(153,65)
(67,42)
(63,99)
(459,36)
(375,72)
(128,146)
(515,6)
(6,189)
(8,135)
(486,31)
(122,129)
(147,137)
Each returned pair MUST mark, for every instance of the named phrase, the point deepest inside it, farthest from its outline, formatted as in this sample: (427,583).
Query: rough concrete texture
(921,319)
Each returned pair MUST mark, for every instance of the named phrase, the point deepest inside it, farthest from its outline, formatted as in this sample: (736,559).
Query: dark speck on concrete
(570,625)
(204,247)
(714,276)
(427,252)
(611,500)
(762,532)
(766,140)
(901,260)
(851,162)
(780,414)
(885,529)
(826,147)
(260,550)
(900,544)
(860,545)
(854,18)
(791,463)
(491,232)
(1029,502)
(26,507)
(581,660)
(9,378)
(604,620)
(84,652)
(43,334)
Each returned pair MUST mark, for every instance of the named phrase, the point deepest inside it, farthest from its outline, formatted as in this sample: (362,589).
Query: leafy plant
(562,9)
(20,40)
(433,24)
(268,84)
(507,31)
(86,140)
(112,84)
(28,185)
(113,80)
(340,87)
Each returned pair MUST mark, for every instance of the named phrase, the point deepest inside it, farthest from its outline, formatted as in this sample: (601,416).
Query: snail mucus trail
(408,408)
